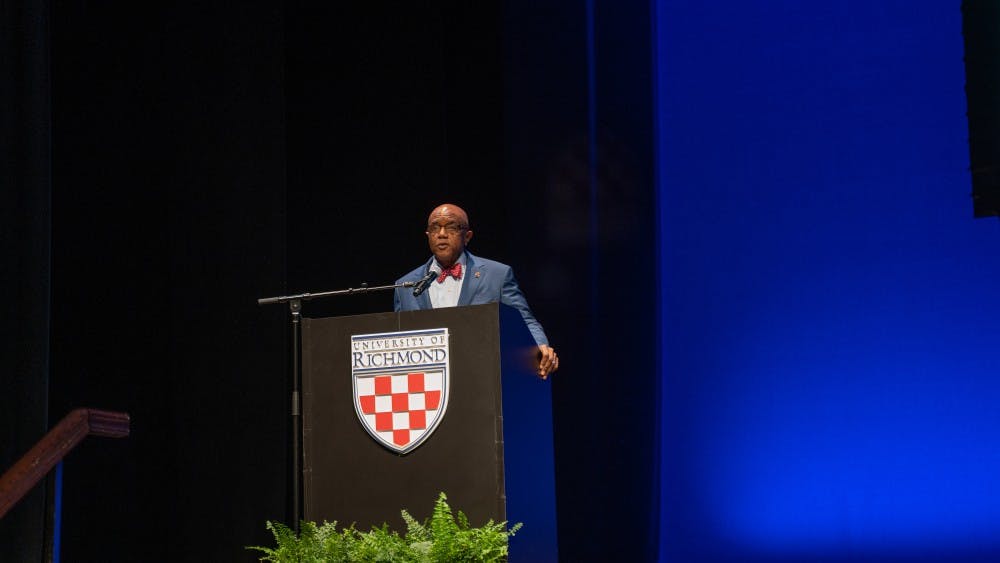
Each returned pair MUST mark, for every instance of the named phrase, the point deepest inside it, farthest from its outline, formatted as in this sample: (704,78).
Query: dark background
(169,165)
(745,226)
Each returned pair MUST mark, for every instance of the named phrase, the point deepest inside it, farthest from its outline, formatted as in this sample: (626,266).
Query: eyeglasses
(450,228)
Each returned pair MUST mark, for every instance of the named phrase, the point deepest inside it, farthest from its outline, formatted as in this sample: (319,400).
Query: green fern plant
(443,538)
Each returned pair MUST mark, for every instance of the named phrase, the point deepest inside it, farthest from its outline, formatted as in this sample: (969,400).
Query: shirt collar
(437,265)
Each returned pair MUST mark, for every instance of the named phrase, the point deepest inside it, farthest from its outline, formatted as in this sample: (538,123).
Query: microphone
(424,282)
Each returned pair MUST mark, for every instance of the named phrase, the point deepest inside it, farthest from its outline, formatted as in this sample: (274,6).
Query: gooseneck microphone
(425,281)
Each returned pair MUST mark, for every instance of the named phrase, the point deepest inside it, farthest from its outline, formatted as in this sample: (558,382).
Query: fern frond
(415,531)
(445,537)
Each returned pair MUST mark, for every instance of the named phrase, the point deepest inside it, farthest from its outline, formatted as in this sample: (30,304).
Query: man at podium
(454,277)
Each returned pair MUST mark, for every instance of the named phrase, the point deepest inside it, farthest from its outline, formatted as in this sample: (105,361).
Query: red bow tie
(455,271)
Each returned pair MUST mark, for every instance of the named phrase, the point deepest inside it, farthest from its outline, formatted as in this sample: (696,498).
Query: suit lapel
(424,299)
(470,283)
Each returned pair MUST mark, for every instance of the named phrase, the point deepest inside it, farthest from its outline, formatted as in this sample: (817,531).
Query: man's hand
(549,361)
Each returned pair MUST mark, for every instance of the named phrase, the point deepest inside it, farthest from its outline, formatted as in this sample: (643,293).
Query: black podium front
(359,468)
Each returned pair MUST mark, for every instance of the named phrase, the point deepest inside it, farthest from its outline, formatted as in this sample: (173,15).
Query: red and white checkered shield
(401,385)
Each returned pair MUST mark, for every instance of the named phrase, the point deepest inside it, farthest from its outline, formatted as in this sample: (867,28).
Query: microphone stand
(295,308)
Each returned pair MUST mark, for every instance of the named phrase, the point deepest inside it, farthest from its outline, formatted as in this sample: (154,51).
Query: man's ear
(468,236)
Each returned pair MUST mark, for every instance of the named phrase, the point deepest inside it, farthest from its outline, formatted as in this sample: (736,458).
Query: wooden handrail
(52,448)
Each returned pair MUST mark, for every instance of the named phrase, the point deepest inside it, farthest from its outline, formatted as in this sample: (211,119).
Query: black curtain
(169,222)
(579,147)
(25,218)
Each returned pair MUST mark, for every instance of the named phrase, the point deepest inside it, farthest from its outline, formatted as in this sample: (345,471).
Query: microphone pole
(349,291)
(295,308)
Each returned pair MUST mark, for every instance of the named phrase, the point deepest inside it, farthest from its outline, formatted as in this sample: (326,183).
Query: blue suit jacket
(484,281)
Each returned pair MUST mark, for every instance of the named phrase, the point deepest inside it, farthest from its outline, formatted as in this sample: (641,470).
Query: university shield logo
(400,385)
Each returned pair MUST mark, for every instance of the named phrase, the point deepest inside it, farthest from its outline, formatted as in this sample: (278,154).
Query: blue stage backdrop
(829,307)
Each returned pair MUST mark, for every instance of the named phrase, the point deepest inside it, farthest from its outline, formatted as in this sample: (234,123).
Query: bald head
(447,233)
(449,211)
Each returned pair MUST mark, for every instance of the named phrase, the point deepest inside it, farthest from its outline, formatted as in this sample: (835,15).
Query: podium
(477,425)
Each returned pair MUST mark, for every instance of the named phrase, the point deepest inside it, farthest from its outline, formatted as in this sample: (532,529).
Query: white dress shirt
(445,294)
